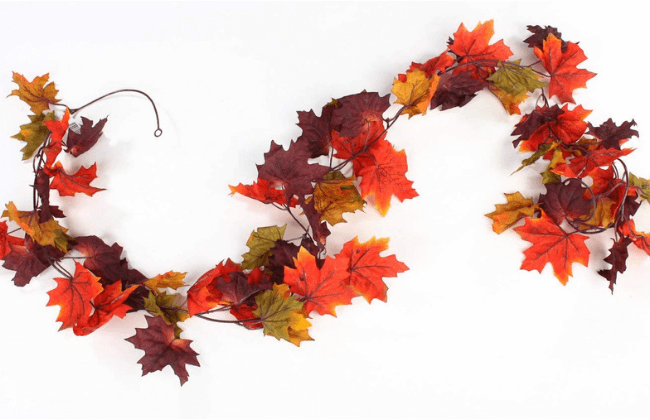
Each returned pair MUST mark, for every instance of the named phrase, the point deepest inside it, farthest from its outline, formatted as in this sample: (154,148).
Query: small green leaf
(514,79)
(34,133)
(643,185)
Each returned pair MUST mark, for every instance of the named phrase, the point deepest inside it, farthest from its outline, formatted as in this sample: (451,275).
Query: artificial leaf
(170,279)
(509,101)
(283,254)
(515,79)
(565,201)
(562,67)
(164,306)
(322,289)
(474,47)
(34,133)
(640,239)
(38,94)
(48,233)
(617,256)
(58,130)
(6,240)
(552,245)
(643,186)
(42,188)
(262,190)
(74,296)
(316,131)
(516,208)
(244,314)
(456,90)
(603,215)
(336,195)
(433,66)
(87,137)
(550,124)
(298,326)
(162,348)
(613,135)
(366,268)
(107,304)
(29,259)
(70,184)
(357,112)
(276,309)
(540,34)
(261,243)
(290,169)
(204,295)
(383,175)
(353,147)
(581,166)
(237,287)
(415,92)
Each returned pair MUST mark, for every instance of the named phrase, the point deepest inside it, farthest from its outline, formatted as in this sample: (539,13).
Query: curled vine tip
(158,132)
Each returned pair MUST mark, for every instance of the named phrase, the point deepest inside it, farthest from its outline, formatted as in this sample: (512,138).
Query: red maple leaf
(74,296)
(87,137)
(383,175)
(356,112)
(237,287)
(6,240)
(565,76)
(365,268)
(432,66)
(204,295)
(549,124)
(107,304)
(70,184)
(581,166)
(552,245)
(322,289)
(58,130)
(261,190)
(162,348)
(474,46)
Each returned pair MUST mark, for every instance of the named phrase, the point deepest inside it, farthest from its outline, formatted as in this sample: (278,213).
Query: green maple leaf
(643,185)
(261,243)
(34,133)
(277,309)
(515,80)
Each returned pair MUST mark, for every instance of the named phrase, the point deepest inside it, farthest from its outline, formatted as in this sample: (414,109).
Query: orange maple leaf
(365,268)
(261,190)
(552,245)
(107,304)
(383,175)
(36,93)
(70,184)
(565,76)
(204,295)
(58,130)
(322,289)
(74,296)
(474,46)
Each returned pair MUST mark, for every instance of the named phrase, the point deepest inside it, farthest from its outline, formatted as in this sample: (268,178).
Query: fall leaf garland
(341,163)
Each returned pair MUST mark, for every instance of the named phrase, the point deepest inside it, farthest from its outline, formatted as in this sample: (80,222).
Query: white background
(465,333)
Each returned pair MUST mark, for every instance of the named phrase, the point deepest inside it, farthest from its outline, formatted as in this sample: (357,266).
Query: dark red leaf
(87,137)
(356,112)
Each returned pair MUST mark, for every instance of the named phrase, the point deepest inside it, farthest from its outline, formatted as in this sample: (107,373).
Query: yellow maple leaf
(509,101)
(415,92)
(37,94)
(170,279)
(516,208)
(336,195)
(47,233)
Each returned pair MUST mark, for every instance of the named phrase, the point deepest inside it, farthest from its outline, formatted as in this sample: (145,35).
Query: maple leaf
(336,195)
(540,34)
(38,94)
(356,112)
(456,90)
(415,92)
(581,166)
(298,326)
(283,254)
(261,243)
(203,295)
(617,256)
(42,187)
(319,229)
(70,184)
(383,175)
(321,289)
(6,240)
(510,102)
(238,287)
(107,304)
(366,268)
(316,131)
(516,208)
(244,313)
(550,124)
(474,46)
(58,130)
(565,76)
(47,233)
(552,245)
(642,185)
(565,201)
(89,134)
(162,348)
(276,309)
(290,169)
(515,79)
(433,66)
(170,279)
(352,147)
(612,135)
(74,296)
(164,306)
(262,190)
(640,239)
(34,133)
